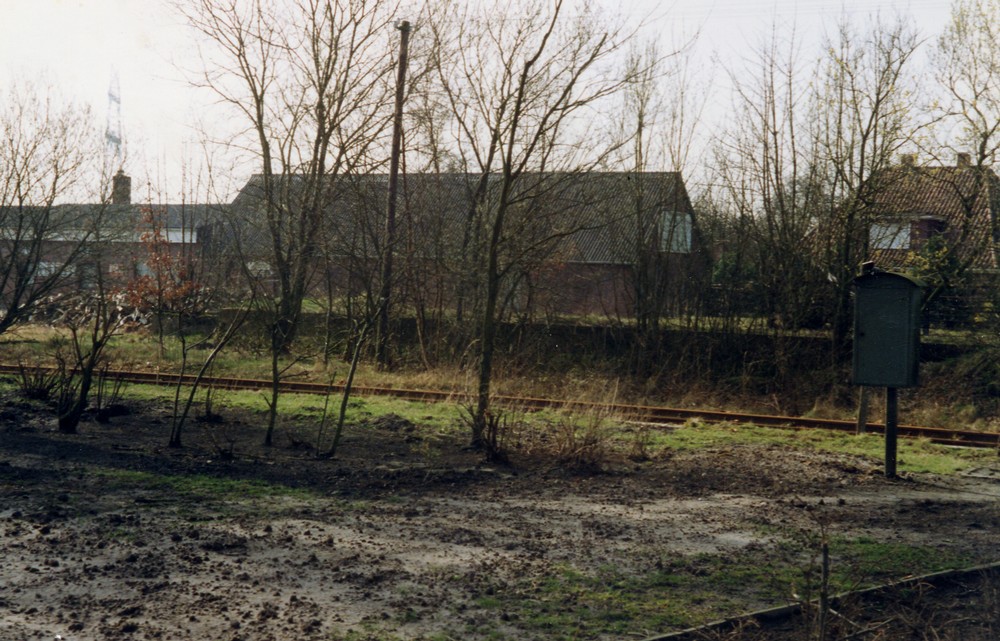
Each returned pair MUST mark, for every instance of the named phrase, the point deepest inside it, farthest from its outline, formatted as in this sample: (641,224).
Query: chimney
(121,189)
(907,160)
(963,159)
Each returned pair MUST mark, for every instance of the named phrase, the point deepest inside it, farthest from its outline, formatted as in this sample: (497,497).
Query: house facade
(80,244)
(942,224)
(920,209)
(586,244)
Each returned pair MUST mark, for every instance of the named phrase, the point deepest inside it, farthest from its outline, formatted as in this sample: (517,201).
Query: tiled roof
(594,212)
(964,197)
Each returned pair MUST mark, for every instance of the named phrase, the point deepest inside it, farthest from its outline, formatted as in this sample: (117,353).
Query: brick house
(576,242)
(940,223)
(957,205)
(85,240)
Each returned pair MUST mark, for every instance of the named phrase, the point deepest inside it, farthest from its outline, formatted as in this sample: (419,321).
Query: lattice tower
(113,130)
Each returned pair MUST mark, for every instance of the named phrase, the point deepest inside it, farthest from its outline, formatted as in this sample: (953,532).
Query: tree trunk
(486,350)
(272,403)
(70,420)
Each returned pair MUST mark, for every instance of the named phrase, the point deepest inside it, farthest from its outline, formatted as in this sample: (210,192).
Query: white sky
(76,45)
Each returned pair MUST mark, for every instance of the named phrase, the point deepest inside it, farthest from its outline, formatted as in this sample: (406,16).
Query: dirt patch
(111,535)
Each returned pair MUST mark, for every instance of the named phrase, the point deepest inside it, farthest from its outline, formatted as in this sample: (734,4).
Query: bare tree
(519,84)
(661,109)
(180,277)
(967,66)
(806,160)
(769,179)
(218,339)
(862,117)
(50,152)
(643,104)
(93,315)
(309,79)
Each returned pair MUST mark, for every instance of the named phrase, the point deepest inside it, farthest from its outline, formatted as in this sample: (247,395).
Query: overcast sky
(77,45)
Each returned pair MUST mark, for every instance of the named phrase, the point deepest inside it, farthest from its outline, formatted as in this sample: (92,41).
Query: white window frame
(676,231)
(890,234)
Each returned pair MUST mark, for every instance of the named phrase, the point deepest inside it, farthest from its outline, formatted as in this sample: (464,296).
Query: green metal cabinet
(887,325)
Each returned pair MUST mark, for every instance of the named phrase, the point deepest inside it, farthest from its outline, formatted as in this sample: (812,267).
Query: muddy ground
(108,534)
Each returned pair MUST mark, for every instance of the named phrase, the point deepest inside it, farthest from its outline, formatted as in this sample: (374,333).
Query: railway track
(652,415)
(968,584)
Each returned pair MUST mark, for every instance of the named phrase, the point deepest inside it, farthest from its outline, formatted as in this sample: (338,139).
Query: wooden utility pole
(863,404)
(382,345)
(891,428)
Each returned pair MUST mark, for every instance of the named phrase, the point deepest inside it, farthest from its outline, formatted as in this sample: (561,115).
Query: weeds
(35,383)
(816,589)
(640,438)
(109,393)
(580,440)
(583,447)
(325,415)
(496,434)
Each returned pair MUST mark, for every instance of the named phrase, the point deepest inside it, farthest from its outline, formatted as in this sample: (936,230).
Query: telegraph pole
(382,345)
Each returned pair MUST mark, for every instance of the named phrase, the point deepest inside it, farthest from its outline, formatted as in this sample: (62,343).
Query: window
(178,236)
(910,233)
(46,269)
(259,268)
(889,234)
(676,236)
(925,229)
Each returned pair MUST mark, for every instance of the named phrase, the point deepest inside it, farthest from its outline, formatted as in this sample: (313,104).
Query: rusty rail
(654,415)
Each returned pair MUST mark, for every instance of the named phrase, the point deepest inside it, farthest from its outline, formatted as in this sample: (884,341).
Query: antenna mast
(113,130)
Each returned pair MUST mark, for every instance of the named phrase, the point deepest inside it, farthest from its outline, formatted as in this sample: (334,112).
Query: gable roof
(966,198)
(618,206)
(596,215)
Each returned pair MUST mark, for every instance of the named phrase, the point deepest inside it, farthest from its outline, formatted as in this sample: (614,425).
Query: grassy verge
(915,456)
(688,591)
(867,558)
(959,391)
(310,407)
(197,487)
(605,434)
